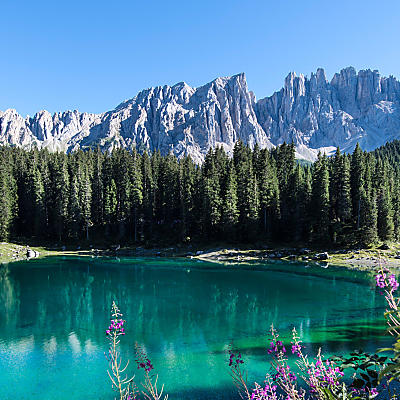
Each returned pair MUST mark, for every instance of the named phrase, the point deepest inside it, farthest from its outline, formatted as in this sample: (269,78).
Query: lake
(185,313)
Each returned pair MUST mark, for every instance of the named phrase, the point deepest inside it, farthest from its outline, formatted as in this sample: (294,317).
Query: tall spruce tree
(285,163)
(211,195)
(136,193)
(385,223)
(60,182)
(7,201)
(186,191)
(230,211)
(268,191)
(320,200)
(340,195)
(148,191)
(357,182)
(97,211)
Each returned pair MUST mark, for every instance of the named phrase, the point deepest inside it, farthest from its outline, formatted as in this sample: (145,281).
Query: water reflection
(56,311)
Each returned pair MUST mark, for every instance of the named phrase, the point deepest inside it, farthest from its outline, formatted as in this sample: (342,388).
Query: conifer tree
(396,206)
(40,220)
(97,206)
(110,203)
(169,192)
(7,206)
(248,196)
(186,190)
(285,163)
(340,194)
(74,214)
(357,182)
(60,194)
(211,196)
(368,212)
(230,211)
(320,199)
(85,198)
(148,191)
(385,223)
(368,218)
(268,190)
(123,164)
(136,193)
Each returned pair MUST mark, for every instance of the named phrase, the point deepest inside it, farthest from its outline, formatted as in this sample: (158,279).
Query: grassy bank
(10,252)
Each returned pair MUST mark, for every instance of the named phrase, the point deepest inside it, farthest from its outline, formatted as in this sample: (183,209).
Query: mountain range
(314,113)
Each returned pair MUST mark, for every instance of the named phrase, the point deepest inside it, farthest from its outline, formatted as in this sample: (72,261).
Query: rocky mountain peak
(317,115)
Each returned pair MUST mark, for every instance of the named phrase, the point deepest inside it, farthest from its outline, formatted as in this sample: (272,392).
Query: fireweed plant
(149,385)
(124,386)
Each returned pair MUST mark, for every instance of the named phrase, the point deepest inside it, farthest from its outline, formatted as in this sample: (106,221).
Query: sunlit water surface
(53,315)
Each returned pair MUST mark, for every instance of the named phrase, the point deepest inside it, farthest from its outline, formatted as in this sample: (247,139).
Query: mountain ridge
(314,113)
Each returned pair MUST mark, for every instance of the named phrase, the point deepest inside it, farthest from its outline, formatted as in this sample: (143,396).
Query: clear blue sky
(91,55)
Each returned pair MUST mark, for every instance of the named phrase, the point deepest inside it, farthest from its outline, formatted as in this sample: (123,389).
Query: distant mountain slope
(315,114)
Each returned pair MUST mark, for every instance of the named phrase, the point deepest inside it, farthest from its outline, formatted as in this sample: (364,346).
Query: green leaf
(387,370)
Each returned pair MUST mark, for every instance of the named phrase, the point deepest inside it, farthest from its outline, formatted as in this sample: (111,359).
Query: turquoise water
(53,314)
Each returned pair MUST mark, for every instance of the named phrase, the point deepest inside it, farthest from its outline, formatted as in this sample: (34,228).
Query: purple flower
(380,280)
(393,282)
(296,349)
(374,392)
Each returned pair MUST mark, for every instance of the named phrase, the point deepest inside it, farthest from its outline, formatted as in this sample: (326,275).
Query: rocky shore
(364,259)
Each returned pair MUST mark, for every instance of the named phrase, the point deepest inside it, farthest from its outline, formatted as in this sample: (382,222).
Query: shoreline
(363,259)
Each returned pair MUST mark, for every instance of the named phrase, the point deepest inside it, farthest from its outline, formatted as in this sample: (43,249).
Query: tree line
(255,195)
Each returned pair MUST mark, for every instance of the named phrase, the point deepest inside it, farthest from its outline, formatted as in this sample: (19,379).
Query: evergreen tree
(148,191)
(85,198)
(136,192)
(97,206)
(340,194)
(186,190)
(110,203)
(230,211)
(60,195)
(285,163)
(357,182)
(169,193)
(320,200)
(248,196)
(385,223)
(211,195)
(368,218)
(123,164)
(74,214)
(268,190)
(368,212)
(7,202)
(40,219)
(396,206)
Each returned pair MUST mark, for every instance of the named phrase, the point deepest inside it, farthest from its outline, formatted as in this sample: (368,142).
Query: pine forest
(254,196)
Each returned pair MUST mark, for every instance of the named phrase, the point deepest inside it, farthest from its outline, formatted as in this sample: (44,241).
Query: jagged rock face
(315,114)
(318,115)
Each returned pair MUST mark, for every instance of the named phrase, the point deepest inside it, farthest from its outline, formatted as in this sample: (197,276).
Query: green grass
(14,252)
